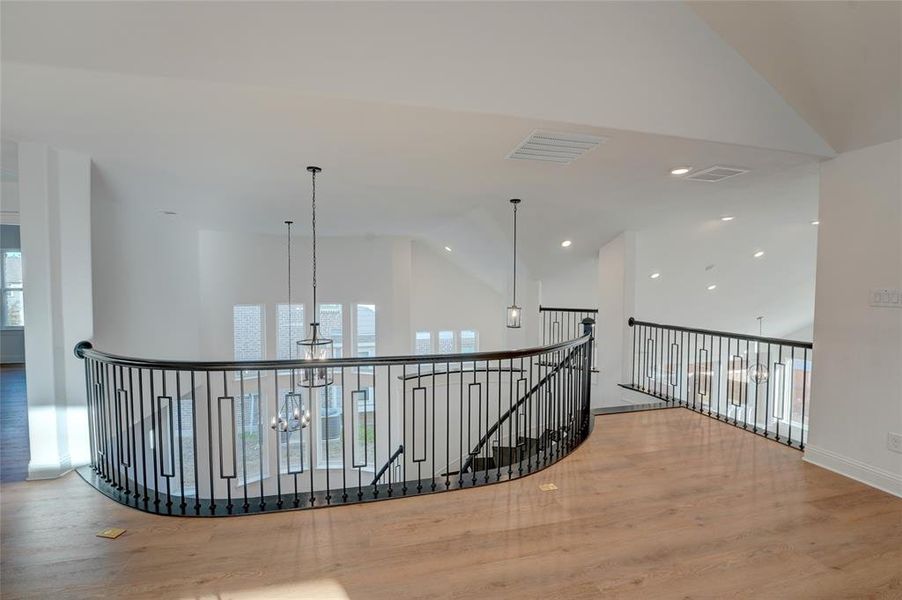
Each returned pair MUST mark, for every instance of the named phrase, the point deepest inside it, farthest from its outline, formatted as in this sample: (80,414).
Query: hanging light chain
(515,250)
(290,312)
(315,311)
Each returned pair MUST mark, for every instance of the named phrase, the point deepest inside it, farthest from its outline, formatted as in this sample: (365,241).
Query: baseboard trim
(49,471)
(875,477)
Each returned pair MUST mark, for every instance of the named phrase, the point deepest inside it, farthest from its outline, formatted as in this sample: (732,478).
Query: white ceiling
(641,66)
(214,109)
(839,64)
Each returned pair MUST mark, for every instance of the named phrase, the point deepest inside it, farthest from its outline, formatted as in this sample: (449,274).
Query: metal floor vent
(716,173)
(561,148)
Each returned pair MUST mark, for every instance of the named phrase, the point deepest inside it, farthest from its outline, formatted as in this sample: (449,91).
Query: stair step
(481,463)
(506,455)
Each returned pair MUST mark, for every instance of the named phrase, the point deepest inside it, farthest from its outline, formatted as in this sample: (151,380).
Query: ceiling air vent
(561,148)
(716,173)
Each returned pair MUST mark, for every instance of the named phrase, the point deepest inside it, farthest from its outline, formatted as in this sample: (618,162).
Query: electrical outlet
(894,442)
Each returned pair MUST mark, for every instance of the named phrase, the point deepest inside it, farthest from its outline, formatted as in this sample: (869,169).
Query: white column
(616,303)
(55,198)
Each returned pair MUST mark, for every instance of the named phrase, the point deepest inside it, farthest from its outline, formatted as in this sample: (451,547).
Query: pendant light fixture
(315,347)
(758,372)
(514,311)
(293,415)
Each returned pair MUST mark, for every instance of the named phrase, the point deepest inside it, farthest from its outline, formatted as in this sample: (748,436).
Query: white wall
(165,288)
(575,287)
(856,396)
(241,268)
(145,280)
(445,297)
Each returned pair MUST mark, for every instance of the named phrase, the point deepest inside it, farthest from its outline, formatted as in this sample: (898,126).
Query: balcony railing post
(589,330)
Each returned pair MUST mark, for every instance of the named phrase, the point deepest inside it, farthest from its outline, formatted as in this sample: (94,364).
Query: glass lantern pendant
(514,312)
(315,347)
(513,316)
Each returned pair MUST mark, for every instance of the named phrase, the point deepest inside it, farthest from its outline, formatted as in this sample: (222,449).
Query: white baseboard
(49,470)
(881,479)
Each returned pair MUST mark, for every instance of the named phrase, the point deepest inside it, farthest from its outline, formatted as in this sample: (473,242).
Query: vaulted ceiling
(839,64)
(213,110)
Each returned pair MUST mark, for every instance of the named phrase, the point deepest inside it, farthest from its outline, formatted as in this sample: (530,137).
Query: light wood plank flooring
(659,504)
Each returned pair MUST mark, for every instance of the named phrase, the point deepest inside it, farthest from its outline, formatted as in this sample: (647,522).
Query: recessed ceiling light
(680,170)
(713,286)
(758,254)
(727,218)
(447,248)
(654,275)
(566,244)
(815,222)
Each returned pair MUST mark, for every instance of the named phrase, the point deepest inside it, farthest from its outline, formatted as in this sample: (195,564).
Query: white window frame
(460,337)
(454,341)
(431,341)
(262,307)
(5,288)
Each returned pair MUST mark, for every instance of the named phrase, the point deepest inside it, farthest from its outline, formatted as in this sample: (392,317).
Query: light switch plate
(894,442)
(886,297)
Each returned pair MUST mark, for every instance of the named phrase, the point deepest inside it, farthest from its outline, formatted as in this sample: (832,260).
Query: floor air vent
(561,148)
(716,173)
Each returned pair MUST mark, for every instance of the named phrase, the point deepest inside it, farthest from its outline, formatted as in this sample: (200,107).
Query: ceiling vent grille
(716,173)
(561,148)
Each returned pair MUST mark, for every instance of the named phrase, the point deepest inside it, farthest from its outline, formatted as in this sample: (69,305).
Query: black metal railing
(228,438)
(758,383)
(565,323)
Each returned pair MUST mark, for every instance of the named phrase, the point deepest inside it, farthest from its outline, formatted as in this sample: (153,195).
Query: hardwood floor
(658,504)
(14,450)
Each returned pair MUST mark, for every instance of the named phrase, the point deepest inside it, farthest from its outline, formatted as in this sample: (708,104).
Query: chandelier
(514,311)
(315,347)
(293,415)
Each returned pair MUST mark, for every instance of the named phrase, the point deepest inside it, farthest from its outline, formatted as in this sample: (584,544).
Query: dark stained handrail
(739,336)
(85,349)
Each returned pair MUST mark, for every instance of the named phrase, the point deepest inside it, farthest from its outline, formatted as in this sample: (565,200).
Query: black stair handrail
(85,349)
(394,456)
(485,438)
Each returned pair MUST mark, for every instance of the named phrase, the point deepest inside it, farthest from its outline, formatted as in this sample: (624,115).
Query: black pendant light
(513,311)
(315,347)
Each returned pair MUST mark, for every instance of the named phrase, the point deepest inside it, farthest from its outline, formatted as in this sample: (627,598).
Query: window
(366,330)
(13,305)
(249,438)
(469,341)
(331,423)
(445,342)
(330,322)
(364,428)
(186,436)
(247,324)
(422,343)
(290,329)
